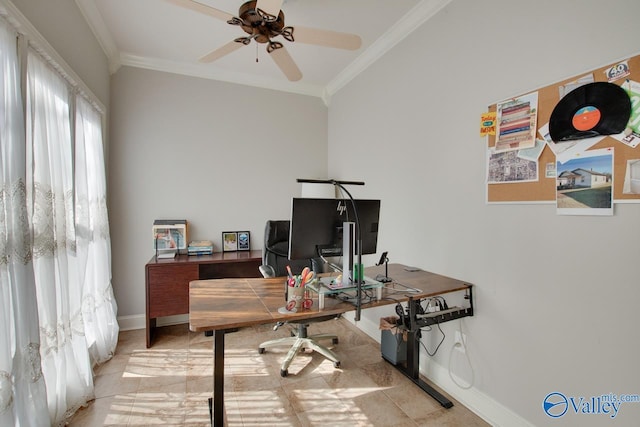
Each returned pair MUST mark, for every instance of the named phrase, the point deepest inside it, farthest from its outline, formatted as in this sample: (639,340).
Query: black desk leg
(216,404)
(412,370)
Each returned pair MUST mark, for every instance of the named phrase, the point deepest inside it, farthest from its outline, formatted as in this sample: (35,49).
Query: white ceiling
(159,35)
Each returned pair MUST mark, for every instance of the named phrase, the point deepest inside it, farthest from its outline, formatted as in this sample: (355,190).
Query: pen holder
(295,297)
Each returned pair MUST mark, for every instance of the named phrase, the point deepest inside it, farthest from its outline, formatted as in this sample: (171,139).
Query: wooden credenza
(167,280)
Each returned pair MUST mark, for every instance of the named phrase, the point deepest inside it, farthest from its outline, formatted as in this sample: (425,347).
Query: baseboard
(482,405)
(129,323)
(138,321)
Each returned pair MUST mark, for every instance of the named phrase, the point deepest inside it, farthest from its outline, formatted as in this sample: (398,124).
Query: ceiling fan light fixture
(258,23)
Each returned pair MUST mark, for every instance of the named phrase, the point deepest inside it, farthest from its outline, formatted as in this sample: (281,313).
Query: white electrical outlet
(460,341)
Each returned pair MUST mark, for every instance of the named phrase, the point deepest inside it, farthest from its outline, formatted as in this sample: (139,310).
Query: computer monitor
(316,226)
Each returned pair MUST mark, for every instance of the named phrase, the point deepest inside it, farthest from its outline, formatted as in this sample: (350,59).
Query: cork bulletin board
(622,73)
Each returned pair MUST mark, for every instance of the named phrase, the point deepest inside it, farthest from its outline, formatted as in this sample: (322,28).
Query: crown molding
(226,76)
(96,23)
(417,16)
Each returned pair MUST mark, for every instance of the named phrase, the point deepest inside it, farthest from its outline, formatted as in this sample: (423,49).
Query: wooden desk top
(231,303)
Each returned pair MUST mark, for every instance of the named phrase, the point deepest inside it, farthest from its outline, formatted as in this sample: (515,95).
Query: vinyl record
(591,110)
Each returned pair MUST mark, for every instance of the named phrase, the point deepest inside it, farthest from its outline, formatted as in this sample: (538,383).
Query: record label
(586,118)
(590,110)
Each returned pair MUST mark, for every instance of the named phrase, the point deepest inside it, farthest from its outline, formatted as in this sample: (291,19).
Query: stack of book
(200,247)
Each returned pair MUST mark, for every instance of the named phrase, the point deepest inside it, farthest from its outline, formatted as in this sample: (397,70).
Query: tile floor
(169,384)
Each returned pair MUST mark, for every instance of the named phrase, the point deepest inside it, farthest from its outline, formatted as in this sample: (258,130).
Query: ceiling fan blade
(272,7)
(326,38)
(284,61)
(232,46)
(199,7)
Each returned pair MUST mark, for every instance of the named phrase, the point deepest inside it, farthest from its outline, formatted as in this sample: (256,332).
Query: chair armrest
(267,271)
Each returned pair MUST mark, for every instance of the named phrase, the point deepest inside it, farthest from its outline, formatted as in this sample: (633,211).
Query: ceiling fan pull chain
(256,52)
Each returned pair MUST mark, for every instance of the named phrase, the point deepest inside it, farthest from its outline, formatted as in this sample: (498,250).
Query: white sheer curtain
(22,389)
(65,360)
(57,309)
(92,233)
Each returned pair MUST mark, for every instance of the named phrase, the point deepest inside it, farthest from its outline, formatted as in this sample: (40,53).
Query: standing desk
(224,304)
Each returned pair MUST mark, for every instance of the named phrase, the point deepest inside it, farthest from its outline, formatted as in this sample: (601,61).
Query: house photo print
(584,183)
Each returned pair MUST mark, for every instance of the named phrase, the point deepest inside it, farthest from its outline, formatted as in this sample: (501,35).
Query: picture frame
(229,241)
(169,238)
(244,241)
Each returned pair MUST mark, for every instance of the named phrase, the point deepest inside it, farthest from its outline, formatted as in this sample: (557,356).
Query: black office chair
(274,264)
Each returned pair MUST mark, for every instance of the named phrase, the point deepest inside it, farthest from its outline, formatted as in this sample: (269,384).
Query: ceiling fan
(263,20)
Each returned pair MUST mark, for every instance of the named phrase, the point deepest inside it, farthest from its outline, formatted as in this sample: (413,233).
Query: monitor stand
(348,250)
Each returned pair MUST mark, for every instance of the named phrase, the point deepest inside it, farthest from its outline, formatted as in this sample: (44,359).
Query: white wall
(62,24)
(223,156)
(547,318)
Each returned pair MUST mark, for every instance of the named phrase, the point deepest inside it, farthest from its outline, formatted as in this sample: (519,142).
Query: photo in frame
(229,241)
(244,241)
